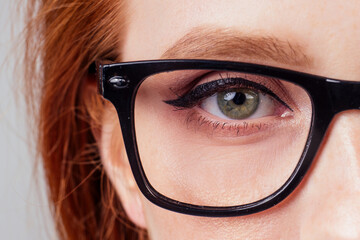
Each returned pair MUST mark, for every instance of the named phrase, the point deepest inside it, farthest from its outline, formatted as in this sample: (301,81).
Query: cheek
(277,223)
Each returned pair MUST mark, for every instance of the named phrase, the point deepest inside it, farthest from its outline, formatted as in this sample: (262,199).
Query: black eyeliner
(203,91)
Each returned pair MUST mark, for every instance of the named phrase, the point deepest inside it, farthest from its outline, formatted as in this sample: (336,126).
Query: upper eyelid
(190,99)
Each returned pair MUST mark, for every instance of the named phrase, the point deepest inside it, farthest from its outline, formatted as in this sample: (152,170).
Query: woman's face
(319,37)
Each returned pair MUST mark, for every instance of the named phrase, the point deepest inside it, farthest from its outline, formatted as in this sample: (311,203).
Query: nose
(331,193)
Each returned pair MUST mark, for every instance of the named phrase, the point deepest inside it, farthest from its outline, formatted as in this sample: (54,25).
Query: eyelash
(240,129)
(203,91)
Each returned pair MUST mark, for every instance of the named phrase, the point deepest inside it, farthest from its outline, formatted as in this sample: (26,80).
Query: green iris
(238,103)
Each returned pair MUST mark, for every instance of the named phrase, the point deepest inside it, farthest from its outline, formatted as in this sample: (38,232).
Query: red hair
(63,39)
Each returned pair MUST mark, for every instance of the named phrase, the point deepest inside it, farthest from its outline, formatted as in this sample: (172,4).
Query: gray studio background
(23,206)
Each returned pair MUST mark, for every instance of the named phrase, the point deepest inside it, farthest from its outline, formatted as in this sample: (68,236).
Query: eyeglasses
(218,138)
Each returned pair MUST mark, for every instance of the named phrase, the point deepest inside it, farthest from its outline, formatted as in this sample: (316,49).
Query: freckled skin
(326,205)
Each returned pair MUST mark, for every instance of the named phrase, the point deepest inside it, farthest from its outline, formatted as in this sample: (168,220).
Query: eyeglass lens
(222,138)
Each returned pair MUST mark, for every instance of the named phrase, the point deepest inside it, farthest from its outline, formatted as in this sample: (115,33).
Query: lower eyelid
(203,123)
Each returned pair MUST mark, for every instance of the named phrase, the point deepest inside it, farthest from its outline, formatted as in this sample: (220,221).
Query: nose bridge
(343,95)
(332,190)
(339,158)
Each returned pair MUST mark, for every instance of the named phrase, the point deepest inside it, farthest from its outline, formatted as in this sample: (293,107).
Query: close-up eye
(239,104)
(228,99)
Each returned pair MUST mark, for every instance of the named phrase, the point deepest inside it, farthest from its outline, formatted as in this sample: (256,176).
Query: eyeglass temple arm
(344,95)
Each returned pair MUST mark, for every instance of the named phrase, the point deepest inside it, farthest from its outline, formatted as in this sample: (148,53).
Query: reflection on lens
(208,140)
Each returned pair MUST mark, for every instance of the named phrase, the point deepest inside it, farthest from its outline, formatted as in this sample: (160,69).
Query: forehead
(326,31)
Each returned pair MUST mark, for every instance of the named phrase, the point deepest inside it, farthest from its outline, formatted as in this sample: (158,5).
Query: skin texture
(326,205)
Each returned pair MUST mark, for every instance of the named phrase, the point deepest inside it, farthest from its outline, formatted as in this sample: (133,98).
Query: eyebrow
(223,44)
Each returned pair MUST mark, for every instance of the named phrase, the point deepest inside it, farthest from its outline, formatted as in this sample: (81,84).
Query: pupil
(239,98)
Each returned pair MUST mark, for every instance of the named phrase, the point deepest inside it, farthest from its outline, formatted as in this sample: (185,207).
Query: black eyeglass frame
(119,82)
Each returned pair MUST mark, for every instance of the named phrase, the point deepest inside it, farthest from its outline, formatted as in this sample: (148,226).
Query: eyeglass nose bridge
(343,95)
